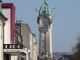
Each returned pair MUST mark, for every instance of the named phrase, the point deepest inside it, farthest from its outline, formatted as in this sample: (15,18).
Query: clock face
(45,21)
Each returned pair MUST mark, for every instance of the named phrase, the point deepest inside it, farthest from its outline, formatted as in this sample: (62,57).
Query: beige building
(2,19)
(35,47)
(28,41)
(19,39)
(25,30)
(31,46)
(26,37)
(18,36)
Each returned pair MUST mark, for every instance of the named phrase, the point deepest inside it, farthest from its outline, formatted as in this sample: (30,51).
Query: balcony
(18,29)
(15,49)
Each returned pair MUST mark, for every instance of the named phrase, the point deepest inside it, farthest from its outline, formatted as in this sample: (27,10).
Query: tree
(76,49)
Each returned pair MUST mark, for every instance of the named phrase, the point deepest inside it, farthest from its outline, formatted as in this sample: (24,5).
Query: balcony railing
(17,28)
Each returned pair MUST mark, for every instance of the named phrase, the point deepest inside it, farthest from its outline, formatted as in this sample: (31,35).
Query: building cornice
(2,17)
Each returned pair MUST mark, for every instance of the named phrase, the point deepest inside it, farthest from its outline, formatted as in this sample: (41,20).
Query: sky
(66,14)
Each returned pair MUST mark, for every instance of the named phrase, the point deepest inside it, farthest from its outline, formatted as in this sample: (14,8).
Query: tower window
(44,41)
(44,12)
(45,33)
(44,7)
(42,27)
(44,38)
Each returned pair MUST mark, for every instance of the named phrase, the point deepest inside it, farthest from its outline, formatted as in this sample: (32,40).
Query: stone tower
(45,21)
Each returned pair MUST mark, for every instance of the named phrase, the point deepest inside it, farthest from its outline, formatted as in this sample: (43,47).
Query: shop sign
(13,46)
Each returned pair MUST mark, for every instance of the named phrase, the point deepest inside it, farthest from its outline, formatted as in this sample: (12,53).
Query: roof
(44,9)
(7,5)
(3,16)
(27,26)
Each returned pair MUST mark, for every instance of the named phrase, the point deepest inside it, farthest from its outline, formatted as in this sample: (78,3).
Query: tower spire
(44,0)
(0,6)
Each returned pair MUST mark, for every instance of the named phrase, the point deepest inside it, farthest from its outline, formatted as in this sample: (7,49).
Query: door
(7,57)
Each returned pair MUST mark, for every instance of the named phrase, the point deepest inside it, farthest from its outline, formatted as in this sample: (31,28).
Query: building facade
(10,52)
(28,41)
(2,20)
(17,40)
(8,10)
(13,47)
(45,21)
(35,47)
(25,31)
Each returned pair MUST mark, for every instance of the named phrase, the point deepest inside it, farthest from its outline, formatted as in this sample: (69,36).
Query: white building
(10,51)
(2,19)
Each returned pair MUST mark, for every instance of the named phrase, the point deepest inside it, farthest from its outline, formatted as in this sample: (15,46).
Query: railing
(17,28)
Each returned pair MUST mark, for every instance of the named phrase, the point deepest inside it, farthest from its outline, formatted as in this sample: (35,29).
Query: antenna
(16,21)
(20,21)
(44,0)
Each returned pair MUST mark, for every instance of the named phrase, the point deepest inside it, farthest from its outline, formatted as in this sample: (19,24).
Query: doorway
(7,57)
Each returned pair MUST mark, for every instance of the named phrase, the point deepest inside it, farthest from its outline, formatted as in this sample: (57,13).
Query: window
(7,57)
(43,41)
(45,33)
(44,7)
(44,12)
(44,38)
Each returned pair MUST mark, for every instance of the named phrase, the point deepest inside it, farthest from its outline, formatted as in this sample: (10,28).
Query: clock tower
(45,21)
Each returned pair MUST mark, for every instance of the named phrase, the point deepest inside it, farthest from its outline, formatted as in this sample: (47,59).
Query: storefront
(7,56)
(15,52)
(15,55)
(12,54)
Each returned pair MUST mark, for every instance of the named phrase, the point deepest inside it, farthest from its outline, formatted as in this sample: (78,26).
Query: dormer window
(44,7)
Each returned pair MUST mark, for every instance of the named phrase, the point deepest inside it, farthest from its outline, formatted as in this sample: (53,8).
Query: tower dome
(45,10)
